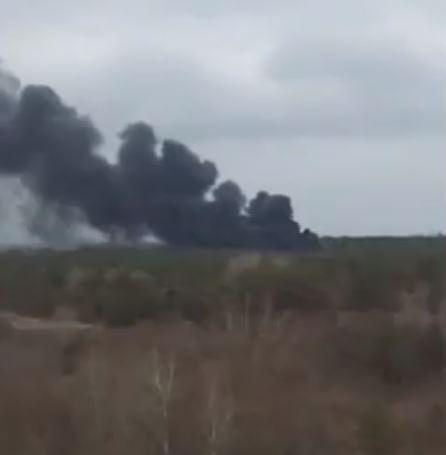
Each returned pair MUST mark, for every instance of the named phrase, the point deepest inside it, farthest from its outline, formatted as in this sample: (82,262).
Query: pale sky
(340,104)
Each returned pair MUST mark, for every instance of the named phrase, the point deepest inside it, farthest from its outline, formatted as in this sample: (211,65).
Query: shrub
(376,433)
(117,297)
(372,289)
(434,349)
(398,354)
(124,301)
(393,353)
(303,287)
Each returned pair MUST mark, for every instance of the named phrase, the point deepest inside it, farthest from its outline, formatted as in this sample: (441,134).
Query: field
(177,352)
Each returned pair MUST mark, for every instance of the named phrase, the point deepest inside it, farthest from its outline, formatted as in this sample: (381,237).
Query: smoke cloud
(155,188)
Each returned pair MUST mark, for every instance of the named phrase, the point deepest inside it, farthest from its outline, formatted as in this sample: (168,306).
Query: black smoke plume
(160,189)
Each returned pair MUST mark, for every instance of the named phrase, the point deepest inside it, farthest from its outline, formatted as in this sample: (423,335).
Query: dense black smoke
(160,189)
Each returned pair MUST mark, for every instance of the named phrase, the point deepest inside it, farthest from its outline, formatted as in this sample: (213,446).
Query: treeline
(122,285)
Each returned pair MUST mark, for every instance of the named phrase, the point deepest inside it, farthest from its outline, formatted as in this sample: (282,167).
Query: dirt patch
(23,323)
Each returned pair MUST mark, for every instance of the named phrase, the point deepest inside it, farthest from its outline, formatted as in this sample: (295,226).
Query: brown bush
(391,352)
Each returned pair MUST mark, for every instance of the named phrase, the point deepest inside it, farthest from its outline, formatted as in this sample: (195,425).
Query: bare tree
(161,378)
(219,418)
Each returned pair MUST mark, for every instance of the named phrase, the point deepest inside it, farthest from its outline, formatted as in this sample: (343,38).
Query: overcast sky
(341,104)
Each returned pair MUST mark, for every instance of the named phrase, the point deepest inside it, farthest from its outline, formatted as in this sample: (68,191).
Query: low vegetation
(181,352)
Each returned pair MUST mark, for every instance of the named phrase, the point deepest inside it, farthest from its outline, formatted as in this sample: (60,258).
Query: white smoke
(14,199)
(25,222)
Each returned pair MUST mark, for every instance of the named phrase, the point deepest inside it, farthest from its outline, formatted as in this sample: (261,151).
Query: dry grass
(174,388)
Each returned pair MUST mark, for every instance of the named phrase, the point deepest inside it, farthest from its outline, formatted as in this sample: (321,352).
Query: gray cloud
(194,69)
(379,84)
